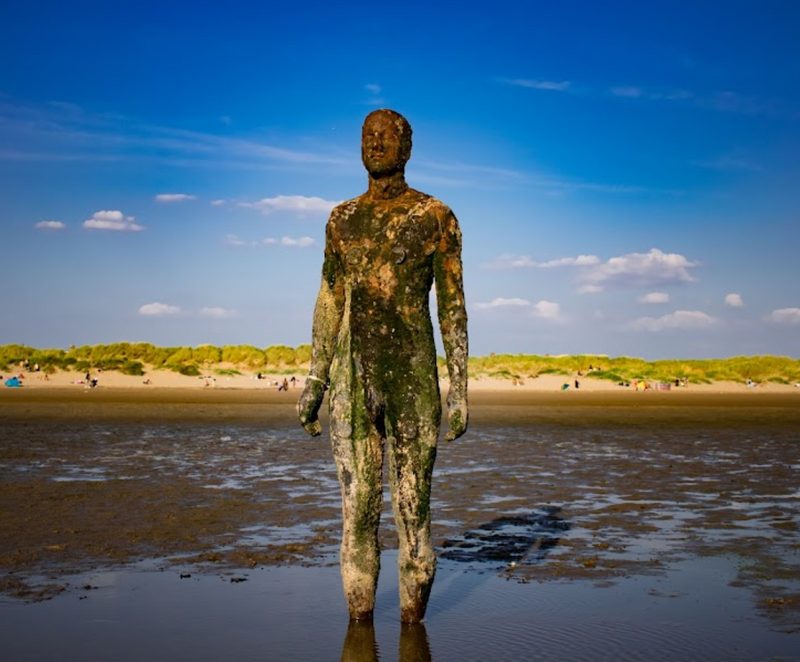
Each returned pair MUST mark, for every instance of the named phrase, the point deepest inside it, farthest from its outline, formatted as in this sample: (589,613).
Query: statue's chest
(375,239)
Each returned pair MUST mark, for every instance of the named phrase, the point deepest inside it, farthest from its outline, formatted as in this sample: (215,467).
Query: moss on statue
(373,343)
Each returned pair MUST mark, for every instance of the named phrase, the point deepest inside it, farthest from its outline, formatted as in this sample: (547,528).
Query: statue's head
(385,142)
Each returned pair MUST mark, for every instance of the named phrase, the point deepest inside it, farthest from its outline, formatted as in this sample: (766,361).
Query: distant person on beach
(373,343)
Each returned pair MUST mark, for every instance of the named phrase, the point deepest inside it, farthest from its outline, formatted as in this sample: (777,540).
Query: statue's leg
(358,451)
(412,452)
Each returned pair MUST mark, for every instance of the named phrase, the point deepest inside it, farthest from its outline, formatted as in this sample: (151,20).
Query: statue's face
(382,146)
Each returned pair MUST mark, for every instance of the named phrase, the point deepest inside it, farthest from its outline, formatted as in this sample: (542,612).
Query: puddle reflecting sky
(298,613)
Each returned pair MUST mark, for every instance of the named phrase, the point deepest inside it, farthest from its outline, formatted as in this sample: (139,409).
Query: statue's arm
(452,310)
(325,330)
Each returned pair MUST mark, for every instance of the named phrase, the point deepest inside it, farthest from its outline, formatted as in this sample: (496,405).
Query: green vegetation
(760,369)
(132,358)
(136,358)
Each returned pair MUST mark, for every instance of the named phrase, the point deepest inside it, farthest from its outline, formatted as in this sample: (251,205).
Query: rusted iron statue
(373,346)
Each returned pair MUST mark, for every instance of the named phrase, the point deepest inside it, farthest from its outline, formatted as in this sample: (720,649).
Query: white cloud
(50,225)
(547,310)
(544,309)
(174,197)
(298,204)
(580,261)
(631,270)
(680,319)
(510,261)
(734,300)
(219,313)
(500,302)
(159,309)
(217,203)
(233,240)
(300,242)
(638,270)
(373,88)
(654,297)
(112,220)
(786,316)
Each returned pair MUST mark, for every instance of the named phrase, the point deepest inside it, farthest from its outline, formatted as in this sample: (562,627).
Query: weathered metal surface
(373,343)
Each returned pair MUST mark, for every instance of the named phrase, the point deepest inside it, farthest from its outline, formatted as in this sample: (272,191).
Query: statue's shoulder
(346,208)
(428,204)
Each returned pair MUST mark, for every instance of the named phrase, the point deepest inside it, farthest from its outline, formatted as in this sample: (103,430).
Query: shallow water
(603,542)
(298,613)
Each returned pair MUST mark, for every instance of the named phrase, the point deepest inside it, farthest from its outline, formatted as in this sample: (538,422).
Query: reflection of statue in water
(360,644)
(373,342)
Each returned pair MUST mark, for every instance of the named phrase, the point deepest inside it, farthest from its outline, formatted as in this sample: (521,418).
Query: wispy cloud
(727,101)
(57,131)
(734,300)
(481,176)
(538,84)
(299,242)
(298,204)
(375,98)
(579,261)
(159,310)
(292,242)
(50,225)
(630,92)
(112,220)
(548,310)
(786,316)
(218,313)
(679,320)
(511,261)
(501,302)
(233,240)
(728,164)
(174,197)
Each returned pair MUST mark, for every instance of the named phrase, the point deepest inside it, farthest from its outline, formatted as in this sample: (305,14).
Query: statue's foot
(412,613)
(360,614)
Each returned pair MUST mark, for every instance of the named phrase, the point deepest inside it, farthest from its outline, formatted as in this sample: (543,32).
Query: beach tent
(13,382)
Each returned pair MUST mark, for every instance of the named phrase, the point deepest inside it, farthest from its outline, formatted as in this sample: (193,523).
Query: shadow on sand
(509,539)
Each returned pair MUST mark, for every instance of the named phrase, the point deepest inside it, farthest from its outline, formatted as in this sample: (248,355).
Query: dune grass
(136,358)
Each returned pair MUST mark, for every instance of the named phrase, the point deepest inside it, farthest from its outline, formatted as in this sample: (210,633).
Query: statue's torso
(385,250)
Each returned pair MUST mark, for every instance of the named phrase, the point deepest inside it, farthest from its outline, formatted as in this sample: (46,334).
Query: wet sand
(559,489)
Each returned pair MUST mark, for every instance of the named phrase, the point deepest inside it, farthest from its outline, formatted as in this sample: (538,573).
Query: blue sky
(626,174)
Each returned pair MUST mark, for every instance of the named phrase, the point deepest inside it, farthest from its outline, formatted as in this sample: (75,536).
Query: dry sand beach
(158,379)
(602,523)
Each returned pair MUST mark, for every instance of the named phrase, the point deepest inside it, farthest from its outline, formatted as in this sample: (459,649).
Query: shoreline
(500,406)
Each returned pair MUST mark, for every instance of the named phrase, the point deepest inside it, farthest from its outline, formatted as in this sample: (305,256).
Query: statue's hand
(308,406)
(457,416)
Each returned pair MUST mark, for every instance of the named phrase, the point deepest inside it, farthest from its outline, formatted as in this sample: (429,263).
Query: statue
(373,346)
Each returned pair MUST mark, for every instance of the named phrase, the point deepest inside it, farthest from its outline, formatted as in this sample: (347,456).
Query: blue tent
(13,382)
